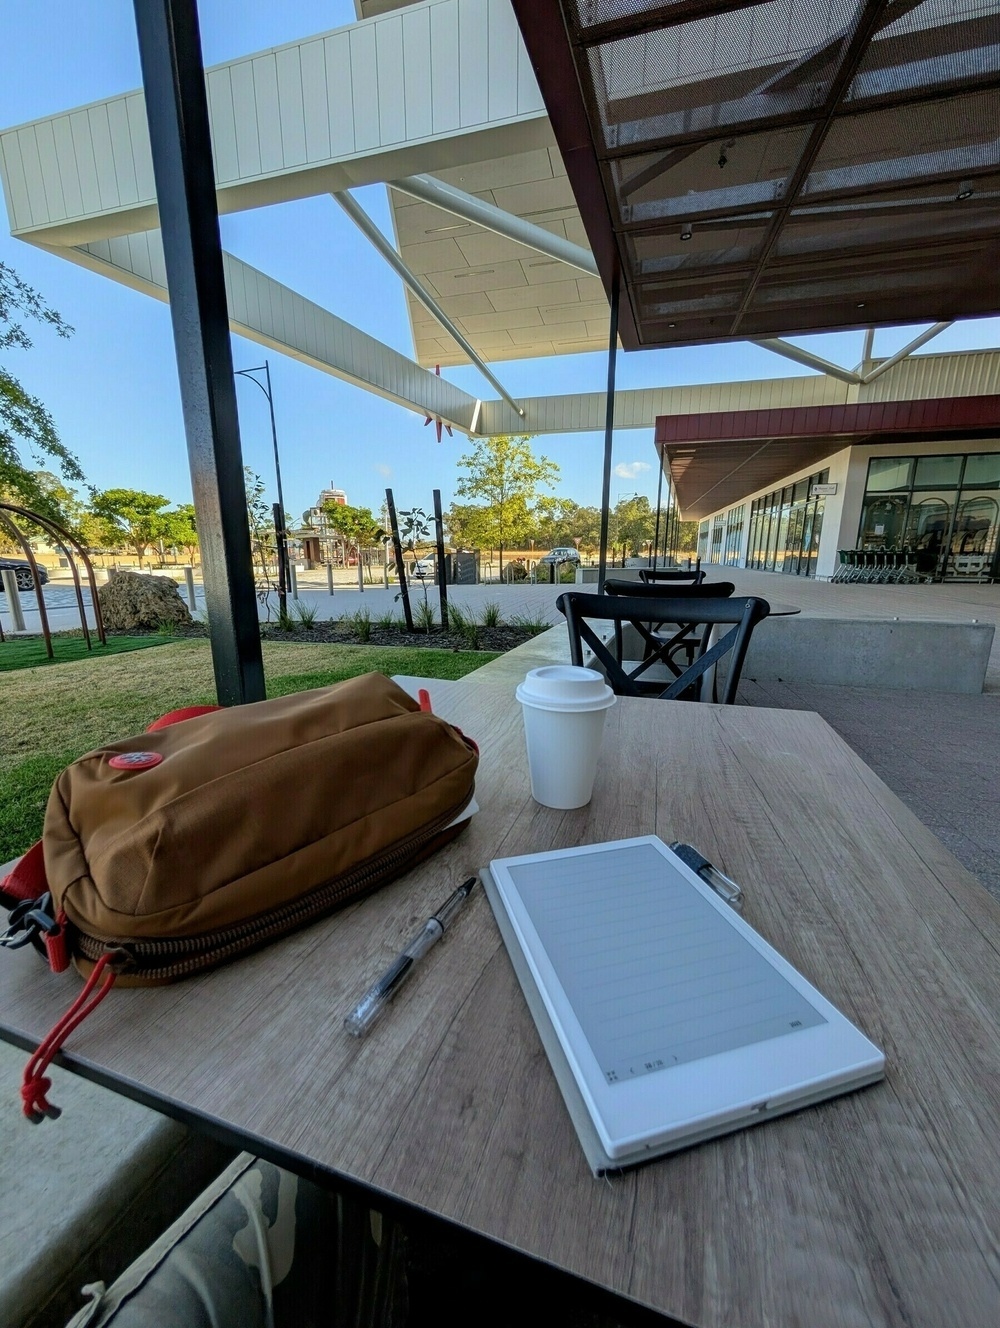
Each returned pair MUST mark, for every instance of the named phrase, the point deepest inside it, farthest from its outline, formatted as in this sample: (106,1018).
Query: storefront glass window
(982,471)
(938,472)
(885,473)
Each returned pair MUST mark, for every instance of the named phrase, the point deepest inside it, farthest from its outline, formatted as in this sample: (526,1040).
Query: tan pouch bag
(180,849)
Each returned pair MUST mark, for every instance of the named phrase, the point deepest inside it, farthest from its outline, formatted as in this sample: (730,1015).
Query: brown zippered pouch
(172,852)
(252,821)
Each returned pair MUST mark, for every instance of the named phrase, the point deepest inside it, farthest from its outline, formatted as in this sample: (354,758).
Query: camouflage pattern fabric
(261,1248)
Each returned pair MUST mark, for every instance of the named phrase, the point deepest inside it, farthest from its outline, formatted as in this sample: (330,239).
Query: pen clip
(724,886)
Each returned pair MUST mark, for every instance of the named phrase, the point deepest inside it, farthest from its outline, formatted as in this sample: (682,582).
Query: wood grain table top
(881,1207)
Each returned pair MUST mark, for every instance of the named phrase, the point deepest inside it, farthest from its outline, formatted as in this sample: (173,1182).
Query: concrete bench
(85,1194)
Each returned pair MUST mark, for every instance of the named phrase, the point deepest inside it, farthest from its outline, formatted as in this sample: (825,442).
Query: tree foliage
(132,517)
(505,476)
(356,526)
(24,421)
(633,523)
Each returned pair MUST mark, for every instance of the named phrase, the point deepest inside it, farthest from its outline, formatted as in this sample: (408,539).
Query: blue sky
(112,388)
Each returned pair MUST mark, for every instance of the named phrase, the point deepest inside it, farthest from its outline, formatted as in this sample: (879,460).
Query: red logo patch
(135,760)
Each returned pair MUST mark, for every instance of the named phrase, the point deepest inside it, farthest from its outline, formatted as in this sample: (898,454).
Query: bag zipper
(151,958)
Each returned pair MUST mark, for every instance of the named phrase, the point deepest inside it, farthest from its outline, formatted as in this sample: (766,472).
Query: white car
(422,569)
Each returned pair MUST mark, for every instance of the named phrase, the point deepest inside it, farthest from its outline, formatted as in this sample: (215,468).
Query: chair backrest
(649,575)
(709,589)
(644,613)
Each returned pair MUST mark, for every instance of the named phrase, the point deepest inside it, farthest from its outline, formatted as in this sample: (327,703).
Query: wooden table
(880,1207)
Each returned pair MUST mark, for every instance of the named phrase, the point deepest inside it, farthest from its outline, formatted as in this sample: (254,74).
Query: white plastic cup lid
(565,687)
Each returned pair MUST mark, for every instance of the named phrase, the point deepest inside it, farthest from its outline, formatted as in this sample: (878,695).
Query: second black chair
(644,614)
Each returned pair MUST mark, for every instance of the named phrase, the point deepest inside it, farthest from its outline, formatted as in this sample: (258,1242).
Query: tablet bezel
(659,1110)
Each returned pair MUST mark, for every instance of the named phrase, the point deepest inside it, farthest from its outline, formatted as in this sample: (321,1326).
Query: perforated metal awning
(766,167)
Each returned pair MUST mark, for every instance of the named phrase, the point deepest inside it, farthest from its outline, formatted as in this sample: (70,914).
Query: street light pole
(280,534)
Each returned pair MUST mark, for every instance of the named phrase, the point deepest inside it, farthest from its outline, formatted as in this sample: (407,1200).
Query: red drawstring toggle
(55,944)
(34,1085)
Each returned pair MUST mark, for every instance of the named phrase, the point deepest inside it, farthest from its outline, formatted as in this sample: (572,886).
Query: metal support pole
(10,588)
(659,497)
(442,574)
(329,576)
(368,228)
(281,553)
(609,431)
(294,581)
(173,77)
(397,548)
(189,580)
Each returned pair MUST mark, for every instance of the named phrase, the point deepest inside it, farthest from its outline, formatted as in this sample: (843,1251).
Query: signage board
(822,490)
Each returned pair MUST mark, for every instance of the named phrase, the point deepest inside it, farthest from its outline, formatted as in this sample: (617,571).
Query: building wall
(849,471)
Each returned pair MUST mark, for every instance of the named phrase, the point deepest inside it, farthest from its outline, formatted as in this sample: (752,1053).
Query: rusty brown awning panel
(716,459)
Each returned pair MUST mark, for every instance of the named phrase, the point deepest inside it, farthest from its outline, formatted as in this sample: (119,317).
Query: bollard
(13,598)
(294,577)
(329,576)
(189,578)
(361,574)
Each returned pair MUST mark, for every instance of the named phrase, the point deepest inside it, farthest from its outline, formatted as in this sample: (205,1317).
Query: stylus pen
(377,998)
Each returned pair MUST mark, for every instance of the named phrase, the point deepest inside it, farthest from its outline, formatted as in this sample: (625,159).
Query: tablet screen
(655,974)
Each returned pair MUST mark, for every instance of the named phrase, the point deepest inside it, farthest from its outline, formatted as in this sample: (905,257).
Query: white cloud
(631,470)
(384,470)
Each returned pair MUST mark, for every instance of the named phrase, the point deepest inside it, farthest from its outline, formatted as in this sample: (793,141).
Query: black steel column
(609,429)
(177,111)
(659,499)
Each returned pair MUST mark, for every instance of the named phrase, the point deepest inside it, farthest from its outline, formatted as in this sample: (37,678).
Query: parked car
(22,572)
(422,569)
(561,555)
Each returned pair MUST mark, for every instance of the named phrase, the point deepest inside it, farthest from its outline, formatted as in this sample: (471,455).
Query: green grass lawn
(29,652)
(49,716)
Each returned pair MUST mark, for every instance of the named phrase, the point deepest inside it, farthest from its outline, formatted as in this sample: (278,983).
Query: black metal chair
(650,575)
(682,641)
(643,613)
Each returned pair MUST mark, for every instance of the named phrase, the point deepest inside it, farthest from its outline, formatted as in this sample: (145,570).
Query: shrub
(491,614)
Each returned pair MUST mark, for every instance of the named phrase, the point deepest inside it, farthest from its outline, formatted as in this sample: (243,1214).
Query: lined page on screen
(656,975)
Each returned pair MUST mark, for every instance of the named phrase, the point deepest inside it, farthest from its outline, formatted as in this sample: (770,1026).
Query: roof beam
(372,233)
(807,358)
(491,218)
(653,20)
(915,344)
(264,311)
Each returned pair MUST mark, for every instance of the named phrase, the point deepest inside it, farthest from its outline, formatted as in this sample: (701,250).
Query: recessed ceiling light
(965,191)
(861,305)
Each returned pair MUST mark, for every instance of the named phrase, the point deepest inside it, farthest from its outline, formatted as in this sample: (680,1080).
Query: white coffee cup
(564,708)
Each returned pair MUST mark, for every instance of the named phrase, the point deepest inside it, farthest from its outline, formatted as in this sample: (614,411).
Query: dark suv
(22,571)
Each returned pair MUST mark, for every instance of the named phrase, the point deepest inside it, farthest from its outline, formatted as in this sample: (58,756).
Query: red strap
(424,700)
(176,716)
(34,1085)
(28,879)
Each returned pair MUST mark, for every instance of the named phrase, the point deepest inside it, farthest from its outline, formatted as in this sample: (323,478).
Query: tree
(132,517)
(181,529)
(24,421)
(505,475)
(633,523)
(355,525)
(467,525)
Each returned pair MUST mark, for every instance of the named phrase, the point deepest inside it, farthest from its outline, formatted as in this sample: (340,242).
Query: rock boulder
(131,600)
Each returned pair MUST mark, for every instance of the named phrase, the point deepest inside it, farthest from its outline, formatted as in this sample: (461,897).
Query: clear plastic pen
(380,994)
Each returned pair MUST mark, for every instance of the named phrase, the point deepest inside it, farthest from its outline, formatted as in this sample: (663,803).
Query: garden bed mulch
(500,638)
